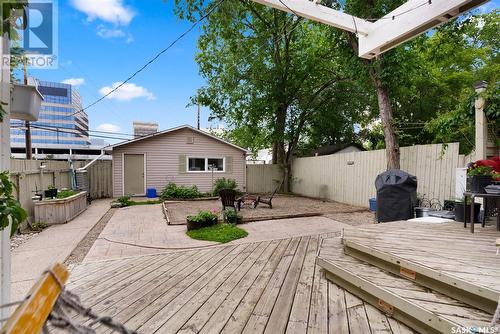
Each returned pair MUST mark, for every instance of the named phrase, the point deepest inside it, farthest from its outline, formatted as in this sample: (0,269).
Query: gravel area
(82,249)
(19,239)
(283,207)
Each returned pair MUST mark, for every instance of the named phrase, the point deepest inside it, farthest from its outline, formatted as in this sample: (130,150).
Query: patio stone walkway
(145,226)
(142,225)
(54,244)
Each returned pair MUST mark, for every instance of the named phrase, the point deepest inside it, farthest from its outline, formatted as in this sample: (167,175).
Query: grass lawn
(220,233)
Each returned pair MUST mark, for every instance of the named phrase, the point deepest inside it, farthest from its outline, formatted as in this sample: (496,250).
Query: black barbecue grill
(396,195)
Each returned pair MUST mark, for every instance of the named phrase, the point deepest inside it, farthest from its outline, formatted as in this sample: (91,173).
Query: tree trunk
(385,108)
(275,153)
(287,172)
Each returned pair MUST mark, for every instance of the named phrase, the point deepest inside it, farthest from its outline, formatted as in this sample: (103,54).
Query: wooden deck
(433,277)
(446,252)
(263,287)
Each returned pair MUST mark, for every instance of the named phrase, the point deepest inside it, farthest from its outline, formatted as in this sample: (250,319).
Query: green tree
(269,73)
(460,54)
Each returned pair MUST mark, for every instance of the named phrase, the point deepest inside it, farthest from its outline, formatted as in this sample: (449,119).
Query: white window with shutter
(193,164)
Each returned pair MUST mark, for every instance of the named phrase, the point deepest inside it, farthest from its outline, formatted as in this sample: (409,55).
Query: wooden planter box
(60,211)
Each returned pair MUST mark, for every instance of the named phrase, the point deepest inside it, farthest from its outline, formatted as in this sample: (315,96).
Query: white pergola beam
(415,17)
(320,13)
(410,20)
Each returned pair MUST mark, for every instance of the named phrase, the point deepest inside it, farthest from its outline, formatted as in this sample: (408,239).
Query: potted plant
(459,210)
(232,217)
(202,219)
(51,192)
(480,176)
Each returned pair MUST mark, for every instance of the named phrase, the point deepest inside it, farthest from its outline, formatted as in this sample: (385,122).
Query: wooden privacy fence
(30,178)
(350,177)
(100,179)
(263,178)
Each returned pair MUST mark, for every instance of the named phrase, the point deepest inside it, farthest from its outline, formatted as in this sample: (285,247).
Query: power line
(152,60)
(96,131)
(63,130)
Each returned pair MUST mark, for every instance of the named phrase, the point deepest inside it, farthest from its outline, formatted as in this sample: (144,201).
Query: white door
(133,174)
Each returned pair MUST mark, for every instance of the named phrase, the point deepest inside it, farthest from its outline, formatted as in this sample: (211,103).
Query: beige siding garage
(167,159)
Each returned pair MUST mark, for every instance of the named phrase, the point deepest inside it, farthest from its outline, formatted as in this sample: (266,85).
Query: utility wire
(75,132)
(155,57)
(195,24)
(64,128)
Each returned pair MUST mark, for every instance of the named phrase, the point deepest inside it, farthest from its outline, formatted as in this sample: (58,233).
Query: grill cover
(396,195)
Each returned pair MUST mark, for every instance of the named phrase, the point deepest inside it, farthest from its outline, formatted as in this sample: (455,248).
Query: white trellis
(402,24)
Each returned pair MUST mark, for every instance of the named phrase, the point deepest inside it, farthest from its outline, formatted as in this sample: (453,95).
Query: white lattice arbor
(402,24)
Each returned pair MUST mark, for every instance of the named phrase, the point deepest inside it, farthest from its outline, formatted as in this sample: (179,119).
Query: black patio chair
(267,199)
(229,200)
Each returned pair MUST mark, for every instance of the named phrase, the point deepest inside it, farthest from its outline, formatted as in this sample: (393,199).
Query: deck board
(446,248)
(272,286)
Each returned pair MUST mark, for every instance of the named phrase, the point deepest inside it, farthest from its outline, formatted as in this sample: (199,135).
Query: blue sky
(97,49)
(103,42)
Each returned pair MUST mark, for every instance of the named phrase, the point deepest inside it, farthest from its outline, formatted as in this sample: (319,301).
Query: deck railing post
(481,124)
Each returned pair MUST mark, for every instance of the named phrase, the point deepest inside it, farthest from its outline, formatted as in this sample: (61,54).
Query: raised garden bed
(60,210)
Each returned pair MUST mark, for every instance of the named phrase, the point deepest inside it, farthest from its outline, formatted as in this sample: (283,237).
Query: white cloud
(113,11)
(107,127)
(129,39)
(109,33)
(127,92)
(74,81)
(104,32)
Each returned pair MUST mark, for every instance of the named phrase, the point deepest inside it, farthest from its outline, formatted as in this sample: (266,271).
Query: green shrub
(38,227)
(219,233)
(231,216)
(125,200)
(66,193)
(224,183)
(204,216)
(173,191)
(10,209)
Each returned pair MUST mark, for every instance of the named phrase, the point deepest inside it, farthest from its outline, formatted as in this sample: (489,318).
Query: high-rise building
(60,123)
(144,128)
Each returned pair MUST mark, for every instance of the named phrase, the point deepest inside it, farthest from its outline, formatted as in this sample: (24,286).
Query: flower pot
(459,212)
(478,182)
(234,220)
(50,193)
(422,212)
(26,102)
(195,225)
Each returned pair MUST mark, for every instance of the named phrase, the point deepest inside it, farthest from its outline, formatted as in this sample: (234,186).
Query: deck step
(421,309)
(443,281)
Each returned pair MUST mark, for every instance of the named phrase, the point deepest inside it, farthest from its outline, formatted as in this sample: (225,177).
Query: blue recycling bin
(151,193)
(373,204)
